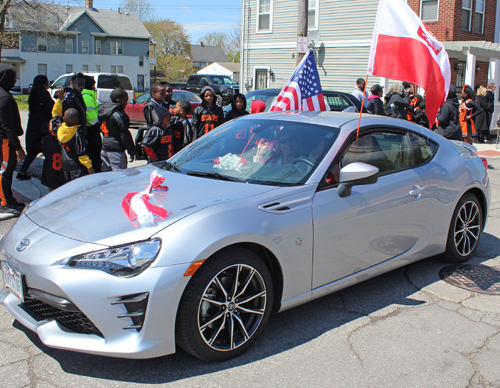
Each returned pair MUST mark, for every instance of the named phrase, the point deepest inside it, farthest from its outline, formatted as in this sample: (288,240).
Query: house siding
(342,55)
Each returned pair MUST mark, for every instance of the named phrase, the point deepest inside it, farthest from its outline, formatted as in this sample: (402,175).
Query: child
(375,104)
(52,171)
(158,95)
(238,105)
(74,159)
(116,135)
(208,115)
(157,142)
(182,129)
(465,114)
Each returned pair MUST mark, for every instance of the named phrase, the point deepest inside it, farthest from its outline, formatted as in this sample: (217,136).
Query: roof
(208,54)
(481,48)
(60,18)
(234,67)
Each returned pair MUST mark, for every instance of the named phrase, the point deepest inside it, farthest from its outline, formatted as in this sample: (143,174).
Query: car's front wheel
(465,230)
(225,305)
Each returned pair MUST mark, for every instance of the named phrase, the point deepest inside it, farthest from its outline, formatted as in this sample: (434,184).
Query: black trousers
(94,146)
(9,162)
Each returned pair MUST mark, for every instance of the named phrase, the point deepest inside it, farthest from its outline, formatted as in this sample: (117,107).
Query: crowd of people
(466,120)
(78,135)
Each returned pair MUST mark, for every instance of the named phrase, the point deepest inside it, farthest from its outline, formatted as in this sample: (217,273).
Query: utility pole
(302,23)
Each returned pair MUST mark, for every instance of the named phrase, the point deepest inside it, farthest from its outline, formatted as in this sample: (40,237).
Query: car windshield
(143,97)
(112,81)
(260,151)
(191,97)
(223,80)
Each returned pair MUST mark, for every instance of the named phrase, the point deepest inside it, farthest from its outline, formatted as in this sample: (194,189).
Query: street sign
(302,44)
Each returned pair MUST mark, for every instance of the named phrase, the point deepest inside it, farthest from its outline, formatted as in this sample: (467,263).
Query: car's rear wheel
(225,306)
(465,230)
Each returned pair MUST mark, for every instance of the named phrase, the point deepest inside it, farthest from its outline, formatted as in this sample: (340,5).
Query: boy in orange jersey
(208,115)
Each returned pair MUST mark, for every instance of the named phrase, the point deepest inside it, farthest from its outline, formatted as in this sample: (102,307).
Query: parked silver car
(262,214)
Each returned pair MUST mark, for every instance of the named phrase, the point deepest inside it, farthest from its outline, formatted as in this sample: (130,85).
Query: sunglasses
(288,140)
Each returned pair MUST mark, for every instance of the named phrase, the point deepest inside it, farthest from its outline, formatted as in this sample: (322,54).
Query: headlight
(128,260)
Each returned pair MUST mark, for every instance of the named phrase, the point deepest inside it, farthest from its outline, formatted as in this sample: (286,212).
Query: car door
(135,110)
(377,221)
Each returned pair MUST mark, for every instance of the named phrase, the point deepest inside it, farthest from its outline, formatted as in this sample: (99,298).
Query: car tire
(218,100)
(215,322)
(465,230)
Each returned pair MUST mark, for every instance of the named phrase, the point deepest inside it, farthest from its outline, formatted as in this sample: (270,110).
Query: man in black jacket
(10,130)
(116,135)
(449,125)
(490,107)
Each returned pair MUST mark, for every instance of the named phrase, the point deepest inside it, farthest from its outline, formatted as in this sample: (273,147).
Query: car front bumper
(88,310)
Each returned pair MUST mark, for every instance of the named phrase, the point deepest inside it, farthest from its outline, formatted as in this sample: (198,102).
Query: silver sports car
(260,215)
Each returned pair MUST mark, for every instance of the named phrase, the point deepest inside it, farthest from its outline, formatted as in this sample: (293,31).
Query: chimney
(201,44)
(89,4)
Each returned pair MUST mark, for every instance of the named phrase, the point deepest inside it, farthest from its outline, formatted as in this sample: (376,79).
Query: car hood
(89,208)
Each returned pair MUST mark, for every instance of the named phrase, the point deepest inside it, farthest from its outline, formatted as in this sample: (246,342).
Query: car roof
(347,121)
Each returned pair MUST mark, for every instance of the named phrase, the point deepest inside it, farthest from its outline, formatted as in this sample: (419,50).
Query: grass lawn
(22,101)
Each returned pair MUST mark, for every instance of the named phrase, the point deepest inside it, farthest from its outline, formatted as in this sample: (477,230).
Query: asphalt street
(406,328)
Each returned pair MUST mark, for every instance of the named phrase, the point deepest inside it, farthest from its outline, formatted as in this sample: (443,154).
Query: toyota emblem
(22,245)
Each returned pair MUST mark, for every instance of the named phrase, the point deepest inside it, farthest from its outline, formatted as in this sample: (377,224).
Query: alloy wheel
(232,307)
(467,228)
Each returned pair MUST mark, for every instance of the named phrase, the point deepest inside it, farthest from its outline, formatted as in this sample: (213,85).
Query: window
(141,60)
(479,17)
(116,48)
(85,46)
(98,45)
(264,17)
(113,68)
(312,15)
(112,81)
(69,68)
(42,69)
(68,45)
(119,69)
(337,102)
(42,44)
(429,9)
(389,152)
(193,81)
(460,75)
(60,82)
(140,83)
(116,69)
(422,149)
(466,14)
(98,68)
(85,67)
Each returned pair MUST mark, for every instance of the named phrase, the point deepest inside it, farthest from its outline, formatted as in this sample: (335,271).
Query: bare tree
(229,42)
(36,15)
(214,39)
(142,8)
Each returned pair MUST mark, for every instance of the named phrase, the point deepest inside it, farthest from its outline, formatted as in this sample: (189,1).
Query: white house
(223,68)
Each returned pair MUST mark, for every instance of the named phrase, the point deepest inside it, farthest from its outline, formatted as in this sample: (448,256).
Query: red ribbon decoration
(156,181)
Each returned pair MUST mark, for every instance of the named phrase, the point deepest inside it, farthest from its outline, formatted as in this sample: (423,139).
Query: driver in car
(288,151)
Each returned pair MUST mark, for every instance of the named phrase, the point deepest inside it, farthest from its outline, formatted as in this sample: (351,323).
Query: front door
(376,222)
(260,79)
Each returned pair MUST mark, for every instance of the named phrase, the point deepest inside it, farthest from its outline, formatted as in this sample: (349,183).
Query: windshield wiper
(170,166)
(214,175)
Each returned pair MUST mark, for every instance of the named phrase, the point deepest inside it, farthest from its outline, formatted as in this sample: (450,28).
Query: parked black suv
(223,86)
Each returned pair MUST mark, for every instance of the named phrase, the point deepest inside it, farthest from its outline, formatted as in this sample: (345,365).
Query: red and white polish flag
(404,49)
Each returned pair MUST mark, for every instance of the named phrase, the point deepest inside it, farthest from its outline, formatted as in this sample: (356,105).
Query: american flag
(303,89)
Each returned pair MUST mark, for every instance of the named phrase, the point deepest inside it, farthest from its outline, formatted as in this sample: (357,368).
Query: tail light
(485,162)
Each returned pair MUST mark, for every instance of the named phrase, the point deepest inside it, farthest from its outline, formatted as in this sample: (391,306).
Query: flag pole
(362,105)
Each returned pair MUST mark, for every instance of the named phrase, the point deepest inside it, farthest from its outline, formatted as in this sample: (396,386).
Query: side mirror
(132,101)
(354,174)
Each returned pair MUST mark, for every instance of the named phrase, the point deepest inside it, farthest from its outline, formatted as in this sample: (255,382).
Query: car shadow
(284,331)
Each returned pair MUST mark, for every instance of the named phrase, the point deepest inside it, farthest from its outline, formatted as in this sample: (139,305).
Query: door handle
(417,191)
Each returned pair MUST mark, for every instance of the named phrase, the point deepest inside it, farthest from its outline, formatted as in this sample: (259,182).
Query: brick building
(467,28)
